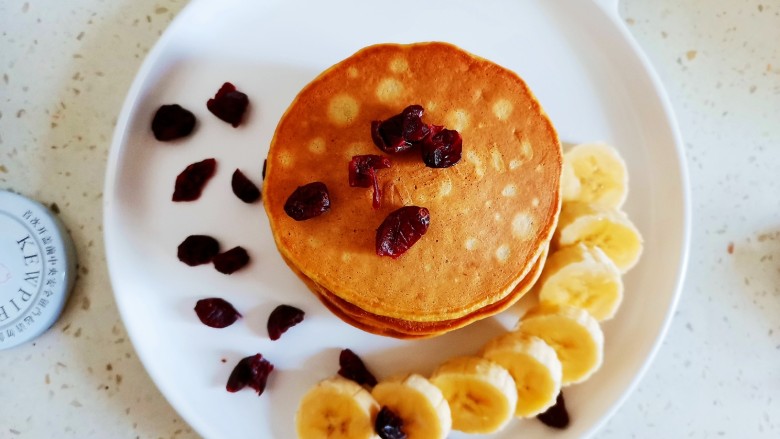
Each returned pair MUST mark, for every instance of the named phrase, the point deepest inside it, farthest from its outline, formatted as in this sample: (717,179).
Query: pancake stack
(492,214)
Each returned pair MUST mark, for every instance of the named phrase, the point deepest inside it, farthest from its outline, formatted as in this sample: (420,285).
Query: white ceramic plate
(575,55)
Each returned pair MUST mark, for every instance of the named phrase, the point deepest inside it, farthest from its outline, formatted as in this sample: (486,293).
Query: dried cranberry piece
(360,166)
(308,201)
(400,132)
(172,122)
(251,371)
(228,104)
(414,129)
(400,230)
(244,188)
(216,312)
(442,148)
(191,181)
(282,318)
(231,261)
(556,416)
(388,425)
(197,249)
(352,367)
(362,173)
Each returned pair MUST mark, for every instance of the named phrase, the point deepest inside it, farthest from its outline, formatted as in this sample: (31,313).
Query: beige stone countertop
(65,69)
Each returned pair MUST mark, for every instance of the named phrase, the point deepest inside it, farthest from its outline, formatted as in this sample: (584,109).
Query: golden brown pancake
(491,214)
(403,329)
(381,324)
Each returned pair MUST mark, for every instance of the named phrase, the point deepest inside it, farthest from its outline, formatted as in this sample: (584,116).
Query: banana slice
(610,230)
(420,405)
(599,173)
(583,277)
(481,394)
(574,334)
(534,366)
(570,184)
(337,408)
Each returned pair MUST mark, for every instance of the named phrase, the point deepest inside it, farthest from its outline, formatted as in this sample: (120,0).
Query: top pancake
(491,214)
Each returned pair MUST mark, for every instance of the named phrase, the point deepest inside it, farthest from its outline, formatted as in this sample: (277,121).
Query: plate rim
(606,7)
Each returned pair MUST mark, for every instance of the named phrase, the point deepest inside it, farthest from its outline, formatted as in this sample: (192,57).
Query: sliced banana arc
(570,184)
(597,175)
(610,230)
(481,394)
(534,366)
(573,333)
(337,408)
(582,277)
(420,405)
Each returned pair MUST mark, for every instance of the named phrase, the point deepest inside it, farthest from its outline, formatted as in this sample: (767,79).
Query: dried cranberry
(283,318)
(216,312)
(190,183)
(362,173)
(172,122)
(400,132)
(308,201)
(442,148)
(231,261)
(388,425)
(400,230)
(198,249)
(352,367)
(556,416)
(228,104)
(251,371)
(244,188)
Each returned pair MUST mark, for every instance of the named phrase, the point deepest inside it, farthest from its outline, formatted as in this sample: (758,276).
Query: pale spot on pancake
(477,95)
(399,65)
(527,149)
(343,109)
(317,145)
(498,159)
(539,168)
(479,167)
(389,90)
(445,187)
(458,120)
(346,257)
(420,197)
(471,244)
(428,267)
(314,242)
(286,159)
(498,217)
(502,108)
(535,202)
(522,226)
(430,106)
(514,164)
(352,72)
(509,190)
(502,253)
(488,203)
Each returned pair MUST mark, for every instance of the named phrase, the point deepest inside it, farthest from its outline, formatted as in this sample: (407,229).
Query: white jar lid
(37,269)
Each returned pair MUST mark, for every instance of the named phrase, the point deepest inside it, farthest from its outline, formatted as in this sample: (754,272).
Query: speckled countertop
(66,67)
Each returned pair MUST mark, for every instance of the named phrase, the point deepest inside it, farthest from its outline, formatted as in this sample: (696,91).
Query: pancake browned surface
(492,214)
(408,329)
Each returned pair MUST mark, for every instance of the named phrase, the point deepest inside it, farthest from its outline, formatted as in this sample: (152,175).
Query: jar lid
(37,269)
